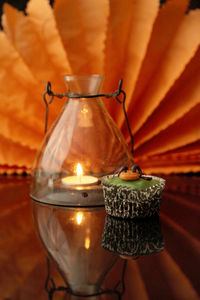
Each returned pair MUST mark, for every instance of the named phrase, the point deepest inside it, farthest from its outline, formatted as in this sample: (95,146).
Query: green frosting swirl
(140,184)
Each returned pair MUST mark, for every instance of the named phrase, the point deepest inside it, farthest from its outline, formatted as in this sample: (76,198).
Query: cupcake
(131,194)
(133,238)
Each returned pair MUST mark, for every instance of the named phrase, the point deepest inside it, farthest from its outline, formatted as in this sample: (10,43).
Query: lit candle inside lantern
(79,172)
(79,179)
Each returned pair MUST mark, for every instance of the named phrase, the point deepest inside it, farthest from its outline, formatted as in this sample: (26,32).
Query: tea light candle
(79,179)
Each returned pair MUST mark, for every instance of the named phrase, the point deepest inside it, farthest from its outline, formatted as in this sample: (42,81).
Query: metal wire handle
(114,95)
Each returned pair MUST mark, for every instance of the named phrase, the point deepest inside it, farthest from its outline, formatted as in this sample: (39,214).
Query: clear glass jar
(84,134)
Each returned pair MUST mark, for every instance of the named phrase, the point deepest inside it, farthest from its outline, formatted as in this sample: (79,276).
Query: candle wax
(79,180)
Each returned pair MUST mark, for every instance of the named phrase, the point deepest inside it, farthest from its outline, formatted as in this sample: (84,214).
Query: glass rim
(82,77)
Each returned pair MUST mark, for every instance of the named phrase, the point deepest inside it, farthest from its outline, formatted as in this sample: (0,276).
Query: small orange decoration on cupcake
(129,175)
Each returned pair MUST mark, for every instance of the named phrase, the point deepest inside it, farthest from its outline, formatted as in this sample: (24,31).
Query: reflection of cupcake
(133,238)
(137,196)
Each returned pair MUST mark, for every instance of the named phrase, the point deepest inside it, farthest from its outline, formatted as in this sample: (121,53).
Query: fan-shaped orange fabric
(155,50)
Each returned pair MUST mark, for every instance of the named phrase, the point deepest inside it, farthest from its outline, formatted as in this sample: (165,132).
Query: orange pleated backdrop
(156,50)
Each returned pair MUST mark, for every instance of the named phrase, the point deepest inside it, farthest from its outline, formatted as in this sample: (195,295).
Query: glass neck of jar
(83,85)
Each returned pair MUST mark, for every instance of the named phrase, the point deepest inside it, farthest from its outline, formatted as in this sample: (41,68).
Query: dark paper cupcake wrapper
(125,202)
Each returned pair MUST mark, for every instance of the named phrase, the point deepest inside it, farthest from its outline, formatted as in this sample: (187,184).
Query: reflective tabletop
(95,256)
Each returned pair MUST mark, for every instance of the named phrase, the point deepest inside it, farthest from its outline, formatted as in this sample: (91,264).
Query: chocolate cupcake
(138,196)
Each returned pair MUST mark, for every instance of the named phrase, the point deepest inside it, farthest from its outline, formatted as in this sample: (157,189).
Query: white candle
(79,179)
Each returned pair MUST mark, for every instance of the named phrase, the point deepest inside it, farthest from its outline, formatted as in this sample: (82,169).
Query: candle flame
(79,218)
(79,170)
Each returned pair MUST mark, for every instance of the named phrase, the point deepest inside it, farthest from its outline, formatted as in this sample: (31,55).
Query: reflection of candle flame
(84,111)
(79,218)
(87,243)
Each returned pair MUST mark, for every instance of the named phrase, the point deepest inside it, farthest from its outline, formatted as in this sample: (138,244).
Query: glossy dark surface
(171,274)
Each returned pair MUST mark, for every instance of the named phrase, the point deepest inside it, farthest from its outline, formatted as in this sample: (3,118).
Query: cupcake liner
(133,237)
(127,202)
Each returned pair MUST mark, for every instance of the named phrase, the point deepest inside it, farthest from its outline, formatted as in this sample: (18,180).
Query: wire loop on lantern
(114,95)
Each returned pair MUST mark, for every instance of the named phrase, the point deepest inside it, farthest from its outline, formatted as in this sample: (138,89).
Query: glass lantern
(81,146)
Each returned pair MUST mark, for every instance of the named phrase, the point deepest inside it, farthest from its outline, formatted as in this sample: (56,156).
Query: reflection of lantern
(83,135)
(72,238)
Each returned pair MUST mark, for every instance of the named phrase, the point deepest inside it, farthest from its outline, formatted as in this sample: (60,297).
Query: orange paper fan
(155,50)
